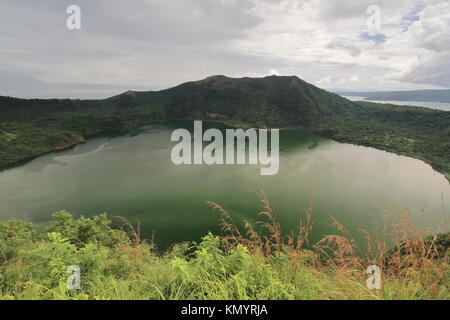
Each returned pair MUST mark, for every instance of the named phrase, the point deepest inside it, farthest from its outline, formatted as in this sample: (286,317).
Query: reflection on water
(133,176)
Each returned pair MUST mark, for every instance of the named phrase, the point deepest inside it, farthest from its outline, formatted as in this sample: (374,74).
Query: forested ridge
(31,127)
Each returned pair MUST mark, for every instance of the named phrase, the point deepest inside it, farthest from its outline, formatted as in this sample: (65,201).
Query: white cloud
(431,69)
(432,31)
(160,43)
(430,35)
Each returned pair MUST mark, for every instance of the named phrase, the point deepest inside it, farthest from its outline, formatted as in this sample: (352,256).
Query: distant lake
(432,105)
(132,176)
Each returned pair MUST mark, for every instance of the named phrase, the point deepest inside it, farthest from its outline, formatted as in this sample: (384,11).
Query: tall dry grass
(402,247)
(269,239)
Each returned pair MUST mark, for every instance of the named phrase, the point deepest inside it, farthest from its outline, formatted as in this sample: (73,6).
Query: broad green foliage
(33,127)
(212,274)
(34,266)
(84,230)
(14,235)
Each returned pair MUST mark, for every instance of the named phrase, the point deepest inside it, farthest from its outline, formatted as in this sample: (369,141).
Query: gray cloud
(138,44)
(352,49)
(22,86)
(434,69)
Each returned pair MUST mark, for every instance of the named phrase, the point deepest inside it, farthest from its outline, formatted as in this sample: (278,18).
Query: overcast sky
(155,44)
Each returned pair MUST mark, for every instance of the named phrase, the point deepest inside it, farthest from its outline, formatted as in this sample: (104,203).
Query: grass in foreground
(240,264)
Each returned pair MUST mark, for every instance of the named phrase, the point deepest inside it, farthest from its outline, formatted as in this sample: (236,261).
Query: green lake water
(133,176)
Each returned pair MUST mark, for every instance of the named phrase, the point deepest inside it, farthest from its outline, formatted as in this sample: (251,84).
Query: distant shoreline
(229,123)
(442,106)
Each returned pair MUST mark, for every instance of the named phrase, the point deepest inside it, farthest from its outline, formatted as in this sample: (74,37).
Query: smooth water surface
(133,176)
(445,106)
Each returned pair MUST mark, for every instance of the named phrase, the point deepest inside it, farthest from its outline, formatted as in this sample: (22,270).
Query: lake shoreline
(132,175)
(227,122)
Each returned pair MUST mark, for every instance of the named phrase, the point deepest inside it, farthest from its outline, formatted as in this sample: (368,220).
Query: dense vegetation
(258,262)
(239,264)
(412,95)
(32,127)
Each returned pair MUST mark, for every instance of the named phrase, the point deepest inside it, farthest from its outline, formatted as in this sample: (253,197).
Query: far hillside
(31,127)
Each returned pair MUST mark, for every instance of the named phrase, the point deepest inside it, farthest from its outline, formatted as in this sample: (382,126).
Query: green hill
(32,127)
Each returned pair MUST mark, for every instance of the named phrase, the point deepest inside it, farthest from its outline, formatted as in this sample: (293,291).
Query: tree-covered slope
(275,101)
(32,127)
